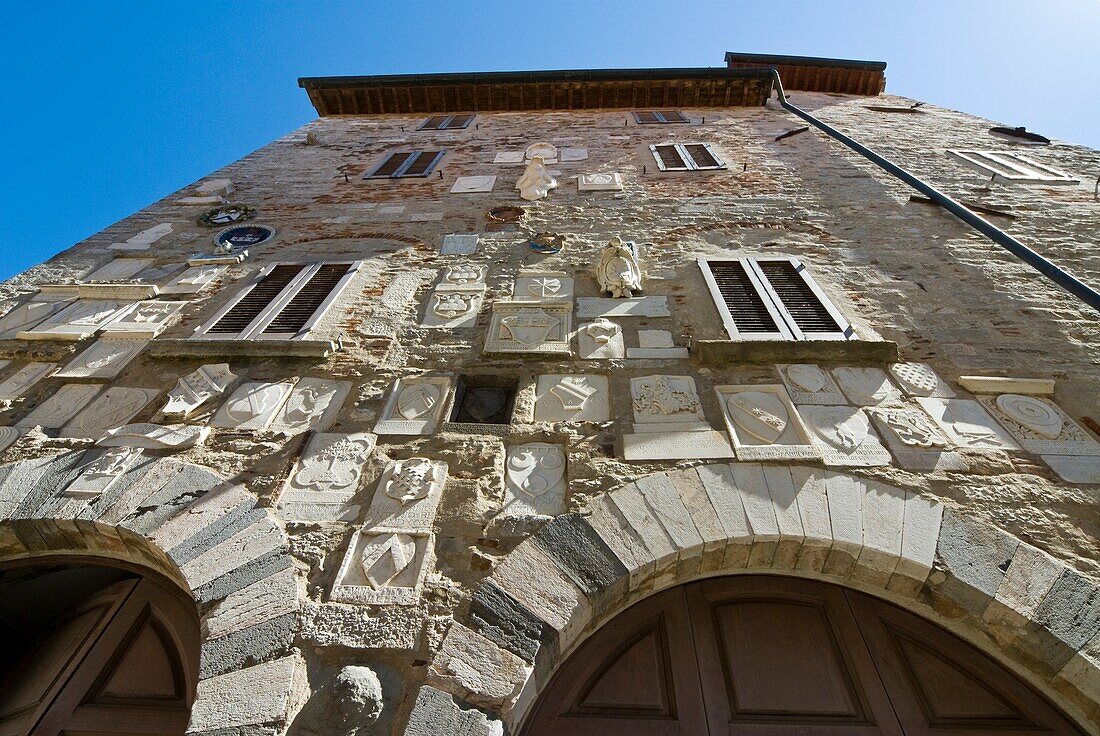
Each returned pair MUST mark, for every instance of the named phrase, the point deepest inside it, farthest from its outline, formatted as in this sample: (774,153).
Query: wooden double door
(750,656)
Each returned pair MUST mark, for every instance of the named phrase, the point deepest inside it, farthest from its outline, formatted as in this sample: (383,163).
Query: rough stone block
(246,574)
(436,713)
(920,534)
(533,579)
(630,502)
(582,555)
(251,696)
(479,670)
(845,496)
(973,556)
(501,618)
(608,522)
(783,495)
(265,599)
(248,646)
(1026,582)
(55,476)
(200,514)
(663,499)
(883,512)
(1071,610)
(813,510)
(248,544)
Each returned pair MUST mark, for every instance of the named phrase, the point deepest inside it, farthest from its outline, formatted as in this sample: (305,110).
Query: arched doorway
(95,650)
(754,655)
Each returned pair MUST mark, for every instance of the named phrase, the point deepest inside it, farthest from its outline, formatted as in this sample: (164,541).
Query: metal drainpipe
(1058,275)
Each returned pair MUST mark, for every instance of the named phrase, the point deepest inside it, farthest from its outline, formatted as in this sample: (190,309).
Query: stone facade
(461,556)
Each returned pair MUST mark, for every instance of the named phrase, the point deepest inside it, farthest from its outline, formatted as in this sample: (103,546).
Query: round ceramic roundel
(240,237)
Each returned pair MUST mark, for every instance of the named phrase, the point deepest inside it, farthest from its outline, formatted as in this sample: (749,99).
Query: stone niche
(530,327)
(415,405)
(483,399)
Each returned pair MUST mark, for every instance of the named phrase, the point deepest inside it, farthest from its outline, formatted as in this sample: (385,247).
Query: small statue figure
(536,181)
(618,270)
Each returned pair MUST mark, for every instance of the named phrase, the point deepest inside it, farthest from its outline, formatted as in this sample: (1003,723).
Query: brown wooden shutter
(702,156)
(746,306)
(422,164)
(458,121)
(257,299)
(645,117)
(390,166)
(672,116)
(301,308)
(669,158)
(435,122)
(805,307)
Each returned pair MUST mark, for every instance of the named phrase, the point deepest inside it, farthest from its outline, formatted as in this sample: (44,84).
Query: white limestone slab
(4,364)
(547,151)
(844,436)
(568,155)
(214,188)
(23,379)
(601,339)
(638,306)
(313,404)
(867,386)
(914,440)
(194,279)
(1040,425)
(535,481)
(526,327)
(810,384)
(657,344)
(572,398)
(62,406)
(113,408)
(452,309)
(218,259)
(77,321)
(764,424)
(252,405)
(99,475)
(119,269)
(508,157)
(1075,468)
(155,436)
(326,478)
(473,184)
(676,445)
(600,182)
(24,316)
(543,285)
(145,238)
(462,277)
(198,387)
(967,424)
(143,319)
(103,359)
(655,339)
(384,568)
(415,405)
(408,495)
(918,379)
(666,401)
(459,244)
(1007,385)
(658,353)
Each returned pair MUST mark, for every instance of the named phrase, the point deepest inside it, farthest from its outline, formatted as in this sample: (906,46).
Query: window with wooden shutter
(772,299)
(686,157)
(284,301)
(405,164)
(1012,168)
(446,122)
(658,117)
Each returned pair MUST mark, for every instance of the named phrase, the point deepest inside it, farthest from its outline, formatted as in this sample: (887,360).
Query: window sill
(189,347)
(856,352)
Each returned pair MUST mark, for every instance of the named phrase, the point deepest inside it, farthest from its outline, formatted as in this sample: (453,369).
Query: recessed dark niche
(484,400)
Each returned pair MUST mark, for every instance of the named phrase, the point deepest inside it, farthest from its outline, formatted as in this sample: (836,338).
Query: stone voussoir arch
(1031,612)
(186,524)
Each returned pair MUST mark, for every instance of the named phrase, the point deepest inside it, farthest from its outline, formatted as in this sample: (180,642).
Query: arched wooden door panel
(125,661)
(758,655)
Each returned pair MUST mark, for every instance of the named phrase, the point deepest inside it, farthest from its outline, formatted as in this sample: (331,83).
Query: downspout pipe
(1056,274)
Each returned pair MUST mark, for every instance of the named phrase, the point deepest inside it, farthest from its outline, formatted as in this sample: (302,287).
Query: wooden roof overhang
(813,74)
(588,89)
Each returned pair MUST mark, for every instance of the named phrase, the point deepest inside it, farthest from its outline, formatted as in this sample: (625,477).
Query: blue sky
(108,106)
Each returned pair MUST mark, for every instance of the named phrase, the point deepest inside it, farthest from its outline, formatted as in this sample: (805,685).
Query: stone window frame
(686,157)
(659,117)
(787,329)
(447,122)
(255,329)
(401,172)
(1007,167)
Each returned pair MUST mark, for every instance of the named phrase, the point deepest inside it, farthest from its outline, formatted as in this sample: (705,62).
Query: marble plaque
(568,155)
(1007,385)
(676,445)
(23,379)
(143,319)
(916,442)
(313,404)
(657,344)
(535,480)
(810,384)
(867,386)
(459,245)
(508,157)
(113,408)
(8,436)
(666,401)
(1040,425)
(384,567)
(408,495)
(150,436)
(120,269)
(452,309)
(601,339)
(99,475)
(572,398)
(844,436)
(103,359)
(1074,468)
(655,339)
(198,387)
(252,405)
(145,238)
(415,406)
(77,321)
(62,406)
(193,280)
(543,286)
(764,424)
(600,183)
(326,478)
(918,379)
(967,424)
(27,315)
(638,306)
(463,277)
(547,151)
(526,327)
(473,184)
